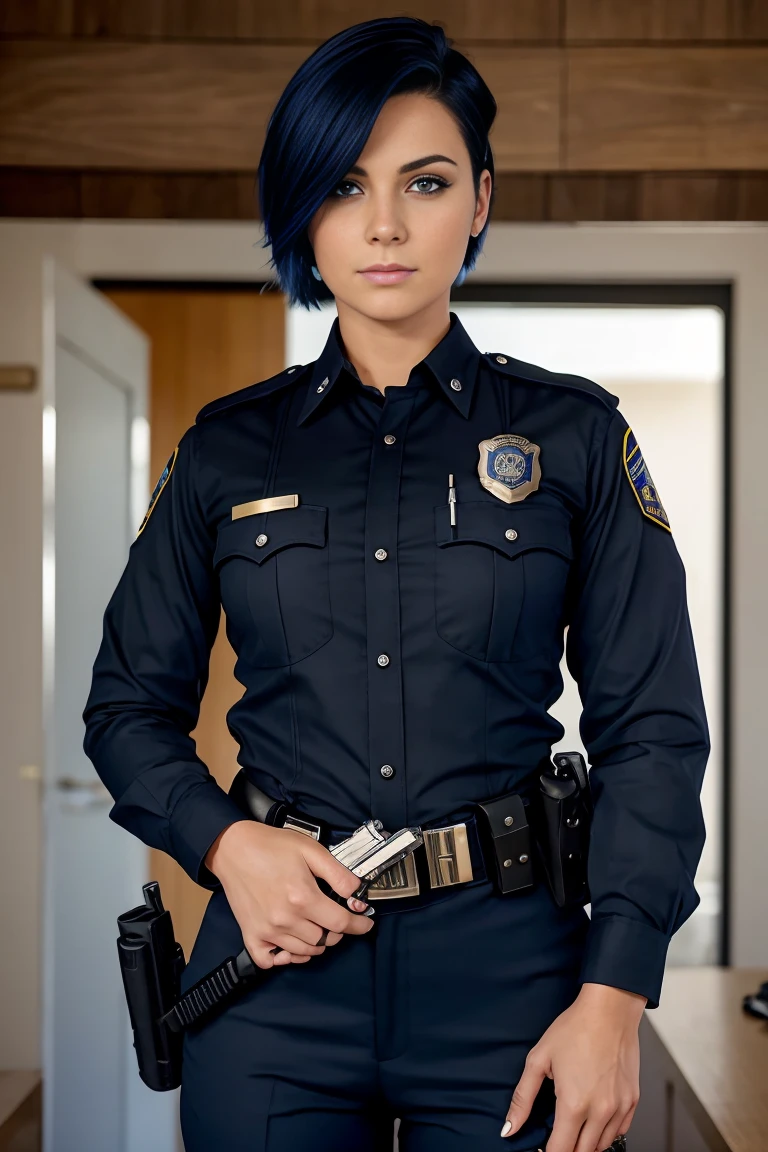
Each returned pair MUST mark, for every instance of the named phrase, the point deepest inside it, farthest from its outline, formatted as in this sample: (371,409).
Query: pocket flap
(305,524)
(509,528)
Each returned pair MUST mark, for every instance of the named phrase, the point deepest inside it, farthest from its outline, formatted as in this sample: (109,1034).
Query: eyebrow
(410,167)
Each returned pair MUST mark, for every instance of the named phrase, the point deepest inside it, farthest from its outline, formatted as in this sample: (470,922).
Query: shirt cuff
(626,954)
(195,822)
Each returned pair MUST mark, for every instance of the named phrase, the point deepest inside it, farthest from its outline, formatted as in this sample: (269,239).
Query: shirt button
(383,660)
(501,359)
(380,553)
(389,438)
(261,539)
(321,386)
(456,385)
(511,534)
(387,770)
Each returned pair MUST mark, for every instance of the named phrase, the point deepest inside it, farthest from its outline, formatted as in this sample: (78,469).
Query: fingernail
(507,1128)
(358,905)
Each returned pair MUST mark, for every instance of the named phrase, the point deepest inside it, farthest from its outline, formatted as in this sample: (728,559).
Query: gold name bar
(268,504)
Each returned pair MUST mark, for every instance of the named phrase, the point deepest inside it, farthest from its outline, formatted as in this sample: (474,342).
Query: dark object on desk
(756,1004)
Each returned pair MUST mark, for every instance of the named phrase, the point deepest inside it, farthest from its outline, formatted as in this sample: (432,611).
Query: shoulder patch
(525,371)
(642,484)
(164,477)
(250,393)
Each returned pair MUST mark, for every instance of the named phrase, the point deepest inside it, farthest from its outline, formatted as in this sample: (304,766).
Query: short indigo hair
(326,113)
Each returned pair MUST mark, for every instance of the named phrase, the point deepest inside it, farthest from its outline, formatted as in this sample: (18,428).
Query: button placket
(386,740)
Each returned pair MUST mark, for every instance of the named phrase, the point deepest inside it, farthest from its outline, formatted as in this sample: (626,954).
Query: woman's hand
(268,875)
(592,1053)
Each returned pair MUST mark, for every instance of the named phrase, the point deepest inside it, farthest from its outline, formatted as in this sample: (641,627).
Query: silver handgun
(369,852)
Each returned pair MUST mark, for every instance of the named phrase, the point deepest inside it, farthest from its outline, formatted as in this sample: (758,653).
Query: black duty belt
(494,842)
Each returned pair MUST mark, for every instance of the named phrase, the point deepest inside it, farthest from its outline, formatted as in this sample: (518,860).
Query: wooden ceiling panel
(667,108)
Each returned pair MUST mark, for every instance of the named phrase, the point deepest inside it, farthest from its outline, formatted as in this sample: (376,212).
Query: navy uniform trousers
(428,1017)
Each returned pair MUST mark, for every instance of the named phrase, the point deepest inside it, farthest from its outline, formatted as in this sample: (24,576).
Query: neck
(384,351)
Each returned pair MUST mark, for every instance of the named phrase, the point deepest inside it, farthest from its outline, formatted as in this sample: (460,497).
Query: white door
(95,462)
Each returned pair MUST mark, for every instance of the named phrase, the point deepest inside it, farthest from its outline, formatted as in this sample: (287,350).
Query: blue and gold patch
(164,477)
(640,479)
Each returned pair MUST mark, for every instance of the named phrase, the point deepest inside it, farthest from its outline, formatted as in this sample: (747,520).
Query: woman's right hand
(268,876)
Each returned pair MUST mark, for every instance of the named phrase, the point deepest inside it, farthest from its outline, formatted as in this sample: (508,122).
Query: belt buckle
(307,827)
(448,856)
(399,880)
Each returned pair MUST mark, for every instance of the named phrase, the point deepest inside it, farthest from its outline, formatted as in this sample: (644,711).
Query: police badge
(509,467)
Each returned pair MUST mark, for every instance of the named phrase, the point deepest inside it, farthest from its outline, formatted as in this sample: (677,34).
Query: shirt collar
(453,362)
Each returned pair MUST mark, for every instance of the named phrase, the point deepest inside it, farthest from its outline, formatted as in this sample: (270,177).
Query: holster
(151,963)
(562,819)
(554,821)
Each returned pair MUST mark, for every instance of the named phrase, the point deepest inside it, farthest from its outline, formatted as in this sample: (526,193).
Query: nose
(385,223)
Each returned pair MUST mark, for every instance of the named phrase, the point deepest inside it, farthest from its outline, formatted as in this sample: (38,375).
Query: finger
(284,957)
(617,1126)
(626,1121)
(323,863)
(524,1094)
(294,944)
(598,1123)
(566,1128)
(334,916)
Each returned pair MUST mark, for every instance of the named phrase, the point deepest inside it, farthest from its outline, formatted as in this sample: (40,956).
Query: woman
(399,651)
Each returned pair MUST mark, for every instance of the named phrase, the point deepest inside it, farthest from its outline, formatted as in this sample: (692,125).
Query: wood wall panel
(312,21)
(654,20)
(157,106)
(527,85)
(521,198)
(80,104)
(307,21)
(667,108)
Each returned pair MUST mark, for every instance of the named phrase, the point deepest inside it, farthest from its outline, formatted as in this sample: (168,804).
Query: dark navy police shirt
(396,667)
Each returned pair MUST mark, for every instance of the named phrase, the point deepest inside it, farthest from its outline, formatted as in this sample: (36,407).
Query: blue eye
(431,180)
(438,180)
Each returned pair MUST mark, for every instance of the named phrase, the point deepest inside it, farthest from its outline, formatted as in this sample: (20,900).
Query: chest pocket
(274,582)
(500,584)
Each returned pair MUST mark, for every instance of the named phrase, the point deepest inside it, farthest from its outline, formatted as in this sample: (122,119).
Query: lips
(387,268)
(387,273)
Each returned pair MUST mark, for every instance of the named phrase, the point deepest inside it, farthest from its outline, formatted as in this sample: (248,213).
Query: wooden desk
(20,1111)
(713,1060)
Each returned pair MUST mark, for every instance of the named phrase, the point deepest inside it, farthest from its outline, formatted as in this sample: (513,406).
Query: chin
(389,304)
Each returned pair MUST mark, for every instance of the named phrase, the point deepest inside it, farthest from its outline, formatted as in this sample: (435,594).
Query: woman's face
(421,218)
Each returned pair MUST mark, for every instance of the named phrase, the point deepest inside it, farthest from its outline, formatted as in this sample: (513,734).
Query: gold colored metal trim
(448,855)
(268,504)
(399,880)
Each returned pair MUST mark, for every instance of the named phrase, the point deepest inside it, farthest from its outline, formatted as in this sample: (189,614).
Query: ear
(483,202)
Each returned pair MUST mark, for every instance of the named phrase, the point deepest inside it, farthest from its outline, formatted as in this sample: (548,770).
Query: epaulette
(250,392)
(520,368)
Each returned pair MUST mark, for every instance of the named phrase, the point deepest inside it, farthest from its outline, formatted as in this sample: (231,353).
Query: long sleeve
(630,649)
(150,675)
